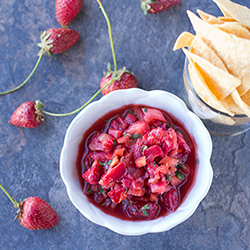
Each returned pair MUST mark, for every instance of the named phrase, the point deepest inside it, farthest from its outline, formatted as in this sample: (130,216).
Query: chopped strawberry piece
(175,181)
(159,187)
(171,199)
(94,143)
(113,174)
(100,156)
(123,139)
(108,145)
(141,162)
(138,128)
(140,211)
(122,124)
(153,114)
(152,152)
(93,175)
(169,161)
(139,113)
(117,195)
(104,136)
(127,181)
(136,188)
(130,118)
(115,132)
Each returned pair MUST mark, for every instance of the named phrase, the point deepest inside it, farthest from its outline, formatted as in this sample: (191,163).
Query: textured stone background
(29,159)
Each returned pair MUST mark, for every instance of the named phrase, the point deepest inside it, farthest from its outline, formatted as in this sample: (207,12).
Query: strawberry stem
(13,201)
(110,33)
(85,104)
(27,79)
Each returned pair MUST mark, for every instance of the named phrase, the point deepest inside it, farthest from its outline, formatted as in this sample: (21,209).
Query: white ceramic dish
(114,100)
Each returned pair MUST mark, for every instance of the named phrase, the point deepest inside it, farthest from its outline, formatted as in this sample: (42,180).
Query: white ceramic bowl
(114,100)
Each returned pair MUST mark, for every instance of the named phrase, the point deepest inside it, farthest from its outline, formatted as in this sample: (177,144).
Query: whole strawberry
(157,6)
(34,213)
(58,40)
(126,81)
(27,115)
(54,41)
(66,10)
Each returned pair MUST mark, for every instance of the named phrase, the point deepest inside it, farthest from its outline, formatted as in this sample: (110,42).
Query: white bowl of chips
(216,74)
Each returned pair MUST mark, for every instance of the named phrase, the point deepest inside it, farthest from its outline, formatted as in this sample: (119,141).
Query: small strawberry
(27,115)
(126,79)
(66,10)
(57,40)
(54,41)
(34,213)
(157,6)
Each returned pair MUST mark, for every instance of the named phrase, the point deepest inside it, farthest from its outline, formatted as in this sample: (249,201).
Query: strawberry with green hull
(55,41)
(157,6)
(127,80)
(66,11)
(34,213)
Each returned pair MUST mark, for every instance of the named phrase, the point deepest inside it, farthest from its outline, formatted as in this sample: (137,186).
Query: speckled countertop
(29,158)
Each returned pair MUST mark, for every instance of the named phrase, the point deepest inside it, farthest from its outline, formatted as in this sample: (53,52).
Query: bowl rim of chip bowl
(190,84)
(158,99)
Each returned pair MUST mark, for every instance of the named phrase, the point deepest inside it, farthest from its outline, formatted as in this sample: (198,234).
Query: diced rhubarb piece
(159,187)
(113,174)
(108,145)
(130,118)
(139,128)
(100,156)
(115,132)
(139,147)
(156,136)
(141,162)
(153,114)
(93,175)
(139,113)
(169,161)
(140,211)
(95,144)
(115,125)
(118,195)
(152,152)
(171,199)
(122,124)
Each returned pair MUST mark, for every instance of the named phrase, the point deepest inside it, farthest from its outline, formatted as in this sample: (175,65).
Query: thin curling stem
(110,33)
(27,79)
(14,202)
(77,110)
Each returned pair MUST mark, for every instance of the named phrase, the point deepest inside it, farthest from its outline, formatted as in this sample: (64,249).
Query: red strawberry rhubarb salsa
(137,163)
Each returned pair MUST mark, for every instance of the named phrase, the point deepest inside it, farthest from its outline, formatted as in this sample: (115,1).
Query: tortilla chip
(233,51)
(234,28)
(184,40)
(240,102)
(220,82)
(226,19)
(237,11)
(209,18)
(200,48)
(201,88)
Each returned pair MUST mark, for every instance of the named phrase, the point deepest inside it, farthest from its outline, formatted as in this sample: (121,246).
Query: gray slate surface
(29,159)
